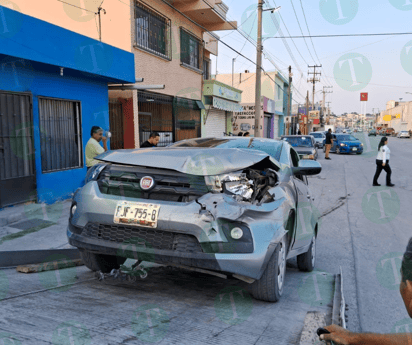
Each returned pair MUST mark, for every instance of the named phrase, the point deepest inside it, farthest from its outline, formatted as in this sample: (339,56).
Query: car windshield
(317,135)
(347,138)
(271,147)
(299,141)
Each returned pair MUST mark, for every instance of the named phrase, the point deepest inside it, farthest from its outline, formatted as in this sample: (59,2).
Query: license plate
(355,149)
(137,214)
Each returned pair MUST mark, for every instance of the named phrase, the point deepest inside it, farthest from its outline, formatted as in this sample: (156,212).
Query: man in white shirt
(93,147)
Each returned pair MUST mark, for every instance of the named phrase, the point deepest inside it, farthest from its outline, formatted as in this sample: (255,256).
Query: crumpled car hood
(193,161)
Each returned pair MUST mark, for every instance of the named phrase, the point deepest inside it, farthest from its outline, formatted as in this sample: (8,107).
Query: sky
(378,65)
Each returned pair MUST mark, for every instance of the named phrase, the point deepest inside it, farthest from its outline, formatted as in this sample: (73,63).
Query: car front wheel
(306,261)
(269,287)
(101,262)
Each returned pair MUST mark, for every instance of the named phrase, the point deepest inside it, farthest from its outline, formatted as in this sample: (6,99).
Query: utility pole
(322,119)
(314,81)
(258,71)
(328,108)
(289,88)
(100,9)
(307,112)
(259,49)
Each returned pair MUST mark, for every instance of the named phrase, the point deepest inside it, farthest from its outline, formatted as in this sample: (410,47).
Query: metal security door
(17,170)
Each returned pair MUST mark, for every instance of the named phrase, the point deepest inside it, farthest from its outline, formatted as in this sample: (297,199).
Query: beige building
(399,117)
(173,50)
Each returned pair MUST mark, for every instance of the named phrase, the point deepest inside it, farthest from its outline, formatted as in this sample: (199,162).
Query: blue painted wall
(42,80)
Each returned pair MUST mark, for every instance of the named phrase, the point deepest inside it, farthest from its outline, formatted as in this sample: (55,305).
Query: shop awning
(223,104)
(188,103)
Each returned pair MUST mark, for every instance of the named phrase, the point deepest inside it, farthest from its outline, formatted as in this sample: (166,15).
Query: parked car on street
(388,131)
(305,145)
(319,138)
(372,132)
(228,206)
(403,134)
(346,143)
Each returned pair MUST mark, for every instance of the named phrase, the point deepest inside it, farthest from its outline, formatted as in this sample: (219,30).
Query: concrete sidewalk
(34,226)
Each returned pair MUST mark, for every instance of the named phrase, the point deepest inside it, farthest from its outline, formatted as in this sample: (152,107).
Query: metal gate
(116,125)
(17,170)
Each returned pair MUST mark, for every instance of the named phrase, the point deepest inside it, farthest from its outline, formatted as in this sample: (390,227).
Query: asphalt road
(364,231)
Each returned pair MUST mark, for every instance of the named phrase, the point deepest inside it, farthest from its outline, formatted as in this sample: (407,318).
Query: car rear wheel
(306,261)
(269,287)
(101,262)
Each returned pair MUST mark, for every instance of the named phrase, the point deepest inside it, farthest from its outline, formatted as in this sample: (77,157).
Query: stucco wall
(115,23)
(178,80)
(404,123)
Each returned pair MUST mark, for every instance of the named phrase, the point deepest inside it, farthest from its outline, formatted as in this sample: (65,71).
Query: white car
(403,134)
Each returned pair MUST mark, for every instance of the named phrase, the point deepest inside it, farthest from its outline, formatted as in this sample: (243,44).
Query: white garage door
(215,123)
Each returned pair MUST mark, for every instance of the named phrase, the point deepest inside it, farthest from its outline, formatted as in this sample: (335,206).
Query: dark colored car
(372,132)
(305,145)
(230,205)
(346,143)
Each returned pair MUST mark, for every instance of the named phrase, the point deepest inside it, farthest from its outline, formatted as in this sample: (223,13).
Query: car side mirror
(307,167)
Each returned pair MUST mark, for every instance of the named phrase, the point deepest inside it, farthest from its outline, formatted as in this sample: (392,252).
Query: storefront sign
(226,105)
(268,105)
(244,121)
(216,88)
(314,115)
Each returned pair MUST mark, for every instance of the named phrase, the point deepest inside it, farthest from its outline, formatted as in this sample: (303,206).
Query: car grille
(148,238)
(169,185)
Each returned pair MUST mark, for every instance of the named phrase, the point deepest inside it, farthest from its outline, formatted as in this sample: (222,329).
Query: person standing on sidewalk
(382,163)
(93,147)
(328,143)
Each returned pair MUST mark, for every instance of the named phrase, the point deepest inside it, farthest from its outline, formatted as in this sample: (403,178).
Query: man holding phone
(93,147)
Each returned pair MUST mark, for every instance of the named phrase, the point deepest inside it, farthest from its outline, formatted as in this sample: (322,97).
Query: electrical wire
(347,35)
(81,8)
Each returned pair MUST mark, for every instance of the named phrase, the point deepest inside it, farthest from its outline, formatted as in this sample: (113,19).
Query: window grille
(191,51)
(153,32)
(60,132)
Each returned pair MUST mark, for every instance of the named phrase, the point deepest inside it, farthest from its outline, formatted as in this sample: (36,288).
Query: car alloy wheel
(281,265)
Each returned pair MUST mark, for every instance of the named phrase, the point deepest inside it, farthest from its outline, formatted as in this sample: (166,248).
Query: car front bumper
(265,222)
(347,149)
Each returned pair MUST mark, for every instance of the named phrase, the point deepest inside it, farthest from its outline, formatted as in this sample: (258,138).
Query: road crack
(341,202)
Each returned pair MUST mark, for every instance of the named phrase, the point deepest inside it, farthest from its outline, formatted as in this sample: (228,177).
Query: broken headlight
(233,183)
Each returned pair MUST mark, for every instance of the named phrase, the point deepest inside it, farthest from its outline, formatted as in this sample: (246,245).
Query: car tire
(270,286)
(101,262)
(307,261)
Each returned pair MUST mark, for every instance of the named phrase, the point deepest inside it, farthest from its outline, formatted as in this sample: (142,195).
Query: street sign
(364,96)
(314,115)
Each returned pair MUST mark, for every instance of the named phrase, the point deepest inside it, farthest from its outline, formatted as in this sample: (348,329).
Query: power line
(346,35)
(297,19)
(81,8)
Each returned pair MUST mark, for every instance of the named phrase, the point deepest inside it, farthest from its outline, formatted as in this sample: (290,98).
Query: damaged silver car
(233,206)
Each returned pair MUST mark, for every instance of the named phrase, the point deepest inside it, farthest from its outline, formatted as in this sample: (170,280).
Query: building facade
(171,49)
(53,89)
(399,117)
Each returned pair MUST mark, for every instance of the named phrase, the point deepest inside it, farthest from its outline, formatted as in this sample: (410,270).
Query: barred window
(60,132)
(153,32)
(191,50)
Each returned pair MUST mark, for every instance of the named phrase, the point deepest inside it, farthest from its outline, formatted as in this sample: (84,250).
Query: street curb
(27,257)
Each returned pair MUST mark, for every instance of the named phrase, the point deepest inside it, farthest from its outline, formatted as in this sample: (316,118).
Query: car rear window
(299,141)
(317,135)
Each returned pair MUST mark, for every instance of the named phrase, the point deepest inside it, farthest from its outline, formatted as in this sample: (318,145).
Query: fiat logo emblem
(147,183)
